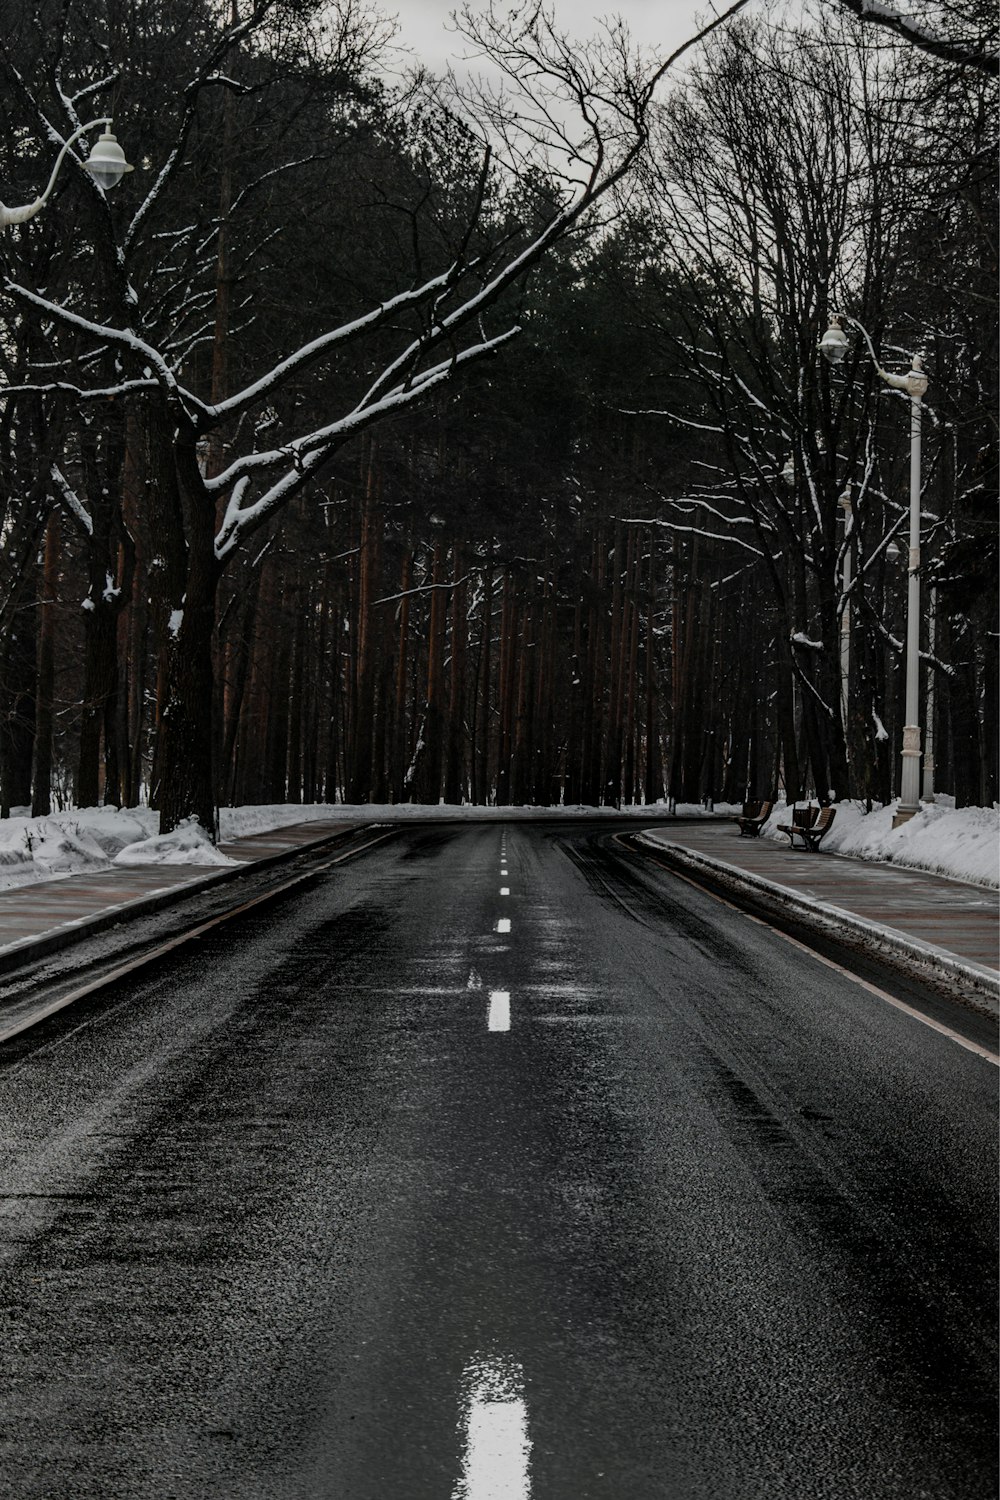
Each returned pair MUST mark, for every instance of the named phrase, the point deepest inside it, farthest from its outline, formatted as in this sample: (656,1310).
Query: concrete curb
(926,959)
(18,954)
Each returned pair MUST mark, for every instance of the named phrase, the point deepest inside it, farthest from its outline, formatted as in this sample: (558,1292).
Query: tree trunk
(482,789)
(653,778)
(41,799)
(17,702)
(100,683)
(454,782)
(430,771)
(508,614)
(399,738)
(186,784)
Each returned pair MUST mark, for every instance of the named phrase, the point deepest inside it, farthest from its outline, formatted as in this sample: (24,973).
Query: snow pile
(962,843)
(113,828)
(76,843)
(188,844)
(44,848)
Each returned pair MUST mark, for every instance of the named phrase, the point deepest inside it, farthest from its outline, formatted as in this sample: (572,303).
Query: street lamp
(106,164)
(845,619)
(833,346)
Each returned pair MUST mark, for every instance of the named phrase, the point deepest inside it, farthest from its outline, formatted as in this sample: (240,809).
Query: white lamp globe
(106,163)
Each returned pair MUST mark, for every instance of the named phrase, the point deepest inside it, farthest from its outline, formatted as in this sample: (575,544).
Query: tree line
(375,447)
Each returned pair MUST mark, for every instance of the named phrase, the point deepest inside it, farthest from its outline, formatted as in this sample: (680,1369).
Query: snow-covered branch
(966,52)
(122,338)
(308,454)
(71,500)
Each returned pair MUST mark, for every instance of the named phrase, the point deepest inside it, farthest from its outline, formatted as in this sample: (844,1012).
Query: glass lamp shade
(106,163)
(834,343)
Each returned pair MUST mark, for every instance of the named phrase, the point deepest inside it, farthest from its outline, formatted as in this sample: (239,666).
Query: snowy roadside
(960,843)
(97,838)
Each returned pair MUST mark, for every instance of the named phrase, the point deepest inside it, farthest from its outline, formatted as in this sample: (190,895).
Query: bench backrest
(825,818)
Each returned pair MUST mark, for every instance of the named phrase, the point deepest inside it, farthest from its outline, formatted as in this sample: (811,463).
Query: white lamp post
(927,794)
(106,164)
(845,618)
(834,345)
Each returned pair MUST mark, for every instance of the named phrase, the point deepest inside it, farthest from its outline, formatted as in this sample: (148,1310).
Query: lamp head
(834,343)
(106,163)
(916,380)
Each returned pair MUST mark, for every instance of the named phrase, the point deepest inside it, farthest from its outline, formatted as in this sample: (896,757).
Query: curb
(25,950)
(925,958)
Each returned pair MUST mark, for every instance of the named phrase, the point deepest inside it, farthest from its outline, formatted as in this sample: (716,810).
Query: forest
(385,437)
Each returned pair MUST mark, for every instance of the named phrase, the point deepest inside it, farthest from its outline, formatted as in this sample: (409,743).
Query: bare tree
(963,33)
(403,348)
(775,191)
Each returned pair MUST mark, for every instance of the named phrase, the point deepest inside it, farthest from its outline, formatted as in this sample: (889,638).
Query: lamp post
(845,618)
(106,164)
(927,793)
(833,346)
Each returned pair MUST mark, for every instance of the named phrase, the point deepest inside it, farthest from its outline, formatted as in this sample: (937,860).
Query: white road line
(505,890)
(499,1016)
(496,1459)
(830,963)
(503,925)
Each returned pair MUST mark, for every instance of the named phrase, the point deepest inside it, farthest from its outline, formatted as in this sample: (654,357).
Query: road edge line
(19,955)
(179,939)
(830,919)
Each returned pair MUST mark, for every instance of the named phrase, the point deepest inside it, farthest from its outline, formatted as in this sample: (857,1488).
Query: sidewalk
(46,915)
(945,924)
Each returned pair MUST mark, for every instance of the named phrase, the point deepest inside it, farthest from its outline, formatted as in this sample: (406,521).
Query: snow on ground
(95,838)
(962,843)
(189,844)
(68,843)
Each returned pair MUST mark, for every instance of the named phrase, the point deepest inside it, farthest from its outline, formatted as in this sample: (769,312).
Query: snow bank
(95,838)
(188,844)
(45,848)
(962,843)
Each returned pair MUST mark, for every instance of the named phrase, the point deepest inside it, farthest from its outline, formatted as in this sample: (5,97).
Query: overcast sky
(662,24)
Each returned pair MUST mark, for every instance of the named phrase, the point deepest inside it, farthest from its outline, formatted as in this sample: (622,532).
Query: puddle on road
(494,1421)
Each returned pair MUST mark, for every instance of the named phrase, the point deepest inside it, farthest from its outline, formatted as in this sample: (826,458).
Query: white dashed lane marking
(499,1016)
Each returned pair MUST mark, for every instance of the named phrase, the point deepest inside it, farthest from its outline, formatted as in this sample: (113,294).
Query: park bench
(809,824)
(755,815)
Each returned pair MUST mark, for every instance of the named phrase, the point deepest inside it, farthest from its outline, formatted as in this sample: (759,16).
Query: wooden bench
(755,815)
(810,829)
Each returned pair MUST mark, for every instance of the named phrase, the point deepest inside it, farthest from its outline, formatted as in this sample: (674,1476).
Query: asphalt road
(366,1199)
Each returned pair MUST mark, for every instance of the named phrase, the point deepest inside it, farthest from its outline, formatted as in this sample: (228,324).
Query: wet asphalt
(288,1219)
